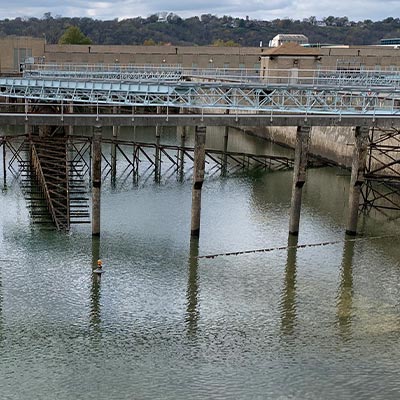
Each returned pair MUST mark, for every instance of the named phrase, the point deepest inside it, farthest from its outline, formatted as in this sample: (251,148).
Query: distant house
(390,42)
(288,38)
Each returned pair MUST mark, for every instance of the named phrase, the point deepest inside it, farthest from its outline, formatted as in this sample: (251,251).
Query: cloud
(257,9)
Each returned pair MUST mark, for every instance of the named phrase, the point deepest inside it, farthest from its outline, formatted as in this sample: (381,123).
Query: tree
(228,43)
(73,35)
(149,42)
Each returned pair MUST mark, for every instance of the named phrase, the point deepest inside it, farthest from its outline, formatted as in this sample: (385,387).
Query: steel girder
(138,75)
(368,79)
(210,95)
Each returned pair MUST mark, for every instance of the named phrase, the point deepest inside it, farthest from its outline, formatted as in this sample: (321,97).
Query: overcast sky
(256,9)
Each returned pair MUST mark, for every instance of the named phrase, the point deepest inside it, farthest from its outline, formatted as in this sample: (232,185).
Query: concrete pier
(96,180)
(115,131)
(182,131)
(225,151)
(26,125)
(198,178)
(70,110)
(157,156)
(357,177)
(4,166)
(299,176)
(181,157)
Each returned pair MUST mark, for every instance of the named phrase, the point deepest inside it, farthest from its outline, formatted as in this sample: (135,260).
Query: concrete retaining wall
(334,144)
(330,143)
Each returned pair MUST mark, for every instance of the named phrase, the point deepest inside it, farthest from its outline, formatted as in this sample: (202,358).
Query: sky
(356,10)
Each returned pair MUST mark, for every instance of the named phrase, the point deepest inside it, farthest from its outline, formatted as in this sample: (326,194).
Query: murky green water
(312,323)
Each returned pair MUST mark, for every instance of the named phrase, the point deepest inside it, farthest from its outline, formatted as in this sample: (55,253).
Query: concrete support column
(182,131)
(225,152)
(357,177)
(115,131)
(299,176)
(198,178)
(26,113)
(70,108)
(181,157)
(96,180)
(157,156)
(4,166)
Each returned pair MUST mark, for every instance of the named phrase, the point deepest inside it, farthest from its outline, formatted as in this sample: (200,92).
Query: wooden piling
(96,180)
(198,178)
(299,176)
(357,177)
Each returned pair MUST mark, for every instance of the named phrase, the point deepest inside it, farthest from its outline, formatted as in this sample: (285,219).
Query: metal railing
(341,77)
(366,92)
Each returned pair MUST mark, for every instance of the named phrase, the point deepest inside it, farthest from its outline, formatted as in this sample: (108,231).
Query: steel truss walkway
(373,93)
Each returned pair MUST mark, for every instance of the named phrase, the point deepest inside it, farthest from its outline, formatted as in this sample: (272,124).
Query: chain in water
(299,246)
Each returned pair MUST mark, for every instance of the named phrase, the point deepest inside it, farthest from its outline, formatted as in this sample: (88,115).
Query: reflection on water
(95,294)
(1,307)
(192,309)
(302,323)
(288,297)
(345,292)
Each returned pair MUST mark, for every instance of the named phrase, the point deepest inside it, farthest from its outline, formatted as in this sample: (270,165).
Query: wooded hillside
(205,30)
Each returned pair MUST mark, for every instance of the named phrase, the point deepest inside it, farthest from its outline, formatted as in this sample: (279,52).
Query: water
(312,323)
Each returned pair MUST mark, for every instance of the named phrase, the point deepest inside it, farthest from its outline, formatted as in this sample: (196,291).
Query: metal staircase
(53,185)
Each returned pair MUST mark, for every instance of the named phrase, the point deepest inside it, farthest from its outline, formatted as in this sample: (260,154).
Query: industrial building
(14,50)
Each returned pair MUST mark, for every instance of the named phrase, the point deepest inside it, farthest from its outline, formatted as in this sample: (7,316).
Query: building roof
(292,49)
(290,36)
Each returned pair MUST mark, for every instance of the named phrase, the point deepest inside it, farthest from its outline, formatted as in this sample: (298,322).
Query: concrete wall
(371,57)
(335,144)
(367,57)
(13,50)
(330,143)
(187,56)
